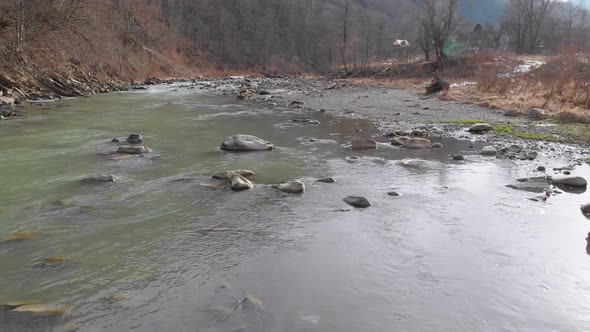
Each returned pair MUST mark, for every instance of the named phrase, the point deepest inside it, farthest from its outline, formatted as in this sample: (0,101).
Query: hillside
(70,47)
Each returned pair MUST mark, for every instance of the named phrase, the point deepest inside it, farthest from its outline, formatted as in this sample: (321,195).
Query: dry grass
(561,86)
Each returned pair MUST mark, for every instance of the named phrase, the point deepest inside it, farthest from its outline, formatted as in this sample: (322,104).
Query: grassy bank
(551,131)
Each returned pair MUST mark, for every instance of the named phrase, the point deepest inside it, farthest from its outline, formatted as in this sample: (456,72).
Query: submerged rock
(228,174)
(570,181)
(305,119)
(364,144)
(393,194)
(436,145)
(400,140)
(99,179)
(357,202)
(418,143)
(13,304)
(489,151)
(240,183)
(585,210)
(534,184)
(479,128)
(141,149)
(42,309)
(242,142)
(458,157)
(116,140)
(327,180)
(541,198)
(25,235)
(53,261)
(291,187)
(135,139)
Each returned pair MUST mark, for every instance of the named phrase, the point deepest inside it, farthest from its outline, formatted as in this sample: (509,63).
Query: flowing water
(458,251)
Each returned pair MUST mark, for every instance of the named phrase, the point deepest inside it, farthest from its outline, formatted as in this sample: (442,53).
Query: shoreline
(392,109)
(407,111)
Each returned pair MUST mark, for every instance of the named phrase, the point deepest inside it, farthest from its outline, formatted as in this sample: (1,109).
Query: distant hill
(482,11)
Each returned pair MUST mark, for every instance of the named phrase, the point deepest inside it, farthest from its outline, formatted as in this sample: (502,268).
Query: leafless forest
(134,38)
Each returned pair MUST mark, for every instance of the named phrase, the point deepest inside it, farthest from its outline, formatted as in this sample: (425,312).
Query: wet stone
(357,202)
(135,139)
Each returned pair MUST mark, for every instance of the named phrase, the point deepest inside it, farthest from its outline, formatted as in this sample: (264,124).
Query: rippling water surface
(458,251)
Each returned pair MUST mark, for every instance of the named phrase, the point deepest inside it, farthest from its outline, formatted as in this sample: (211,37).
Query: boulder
(569,181)
(479,128)
(515,148)
(327,180)
(291,187)
(585,210)
(99,179)
(400,140)
(536,114)
(458,157)
(240,183)
(417,143)
(357,202)
(140,149)
(245,143)
(116,140)
(531,155)
(437,85)
(394,194)
(489,151)
(7,101)
(541,168)
(228,174)
(364,144)
(135,139)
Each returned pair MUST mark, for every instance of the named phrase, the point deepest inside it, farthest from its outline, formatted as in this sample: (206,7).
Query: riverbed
(161,250)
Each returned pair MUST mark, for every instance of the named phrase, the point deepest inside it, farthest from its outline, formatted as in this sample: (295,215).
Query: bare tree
(439,20)
(19,23)
(345,21)
(527,19)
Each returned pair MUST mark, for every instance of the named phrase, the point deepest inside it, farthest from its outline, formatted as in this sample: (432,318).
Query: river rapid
(161,250)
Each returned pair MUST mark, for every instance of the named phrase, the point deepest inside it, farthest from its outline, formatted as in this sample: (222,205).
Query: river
(457,251)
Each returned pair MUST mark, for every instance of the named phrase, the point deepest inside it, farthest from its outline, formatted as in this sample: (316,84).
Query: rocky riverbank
(396,112)
(408,113)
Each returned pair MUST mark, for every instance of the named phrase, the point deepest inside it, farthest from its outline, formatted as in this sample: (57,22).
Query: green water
(457,251)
